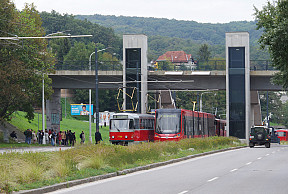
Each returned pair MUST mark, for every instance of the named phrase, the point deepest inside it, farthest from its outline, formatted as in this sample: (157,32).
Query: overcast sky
(204,11)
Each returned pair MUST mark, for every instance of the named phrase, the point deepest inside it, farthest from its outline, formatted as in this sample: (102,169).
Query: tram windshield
(118,125)
(167,123)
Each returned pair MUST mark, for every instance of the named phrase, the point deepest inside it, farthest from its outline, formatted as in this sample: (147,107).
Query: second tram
(176,124)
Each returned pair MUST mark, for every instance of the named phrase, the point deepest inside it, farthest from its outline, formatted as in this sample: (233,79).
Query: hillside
(213,34)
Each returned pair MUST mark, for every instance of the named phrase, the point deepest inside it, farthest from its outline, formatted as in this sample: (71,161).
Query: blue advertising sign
(81,109)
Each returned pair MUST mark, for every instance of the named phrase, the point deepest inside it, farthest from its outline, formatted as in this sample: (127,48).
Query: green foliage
(213,34)
(22,65)
(273,20)
(204,53)
(173,35)
(210,101)
(275,106)
(55,22)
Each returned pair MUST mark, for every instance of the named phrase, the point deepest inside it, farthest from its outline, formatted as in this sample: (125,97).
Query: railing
(84,65)
(211,65)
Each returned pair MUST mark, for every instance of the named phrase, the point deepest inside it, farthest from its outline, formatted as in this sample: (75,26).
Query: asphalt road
(247,170)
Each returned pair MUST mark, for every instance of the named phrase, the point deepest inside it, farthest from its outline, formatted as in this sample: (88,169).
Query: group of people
(52,137)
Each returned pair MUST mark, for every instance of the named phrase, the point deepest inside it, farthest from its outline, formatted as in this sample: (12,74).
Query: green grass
(70,123)
(32,170)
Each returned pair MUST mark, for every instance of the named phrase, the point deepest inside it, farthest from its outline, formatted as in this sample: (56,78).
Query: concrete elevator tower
(135,71)
(238,84)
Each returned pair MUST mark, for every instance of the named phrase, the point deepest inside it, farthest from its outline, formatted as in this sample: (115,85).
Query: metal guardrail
(211,65)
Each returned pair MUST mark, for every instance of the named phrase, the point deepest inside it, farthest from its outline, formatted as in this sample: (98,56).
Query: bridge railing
(84,65)
(211,65)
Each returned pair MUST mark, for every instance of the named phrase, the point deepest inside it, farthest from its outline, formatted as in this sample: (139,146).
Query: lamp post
(201,100)
(96,91)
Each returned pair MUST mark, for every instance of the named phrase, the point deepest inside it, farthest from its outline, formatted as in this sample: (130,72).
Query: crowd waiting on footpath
(64,138)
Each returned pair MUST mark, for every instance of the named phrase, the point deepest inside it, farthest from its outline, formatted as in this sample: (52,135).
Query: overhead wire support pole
(137,84)
(90,101)
(96,91)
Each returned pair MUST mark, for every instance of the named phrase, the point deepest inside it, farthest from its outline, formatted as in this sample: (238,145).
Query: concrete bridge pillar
(256,118)
(53,111)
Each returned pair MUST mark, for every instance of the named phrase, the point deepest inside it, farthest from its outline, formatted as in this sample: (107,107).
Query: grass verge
(77,126)
(34,170)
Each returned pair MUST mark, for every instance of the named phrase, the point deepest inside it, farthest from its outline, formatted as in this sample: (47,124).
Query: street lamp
(201,99)
(90,101)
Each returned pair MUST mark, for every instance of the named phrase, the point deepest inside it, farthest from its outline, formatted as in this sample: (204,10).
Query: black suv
(259,135)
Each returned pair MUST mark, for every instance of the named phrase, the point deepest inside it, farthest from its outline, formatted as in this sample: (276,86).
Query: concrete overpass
(161,80)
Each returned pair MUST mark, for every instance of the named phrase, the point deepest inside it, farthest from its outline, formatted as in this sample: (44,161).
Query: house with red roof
(178,58)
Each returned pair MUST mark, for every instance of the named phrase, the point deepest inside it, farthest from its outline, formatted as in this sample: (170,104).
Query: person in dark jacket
(13,135)
(98,137)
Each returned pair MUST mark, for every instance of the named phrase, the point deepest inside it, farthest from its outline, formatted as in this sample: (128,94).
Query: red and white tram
(127,128)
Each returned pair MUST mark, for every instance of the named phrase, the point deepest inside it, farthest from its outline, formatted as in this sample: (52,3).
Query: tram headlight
(113,137)
(126,136)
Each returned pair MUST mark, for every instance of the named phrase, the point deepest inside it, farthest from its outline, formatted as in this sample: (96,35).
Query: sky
(203,11)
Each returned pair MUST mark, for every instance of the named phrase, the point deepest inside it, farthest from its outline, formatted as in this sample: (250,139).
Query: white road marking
(248,163)
(273,152)
(267,154)
(213,179)
(183,192)
(259,158)
(233,170)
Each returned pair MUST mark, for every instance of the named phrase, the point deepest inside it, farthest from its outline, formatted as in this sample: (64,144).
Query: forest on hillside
(170,34)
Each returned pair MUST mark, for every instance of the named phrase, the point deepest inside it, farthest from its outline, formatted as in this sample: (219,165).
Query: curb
(68,184)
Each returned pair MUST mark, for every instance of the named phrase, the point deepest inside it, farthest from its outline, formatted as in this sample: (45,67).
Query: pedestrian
(63,137)
(98,137)
(53,136)
(13,135)
(69,137)
(59,138)
(82,137)
(29,136)
(34,138)
(25,133)
(41,136)
(46,137)
(50,135)
(73,138)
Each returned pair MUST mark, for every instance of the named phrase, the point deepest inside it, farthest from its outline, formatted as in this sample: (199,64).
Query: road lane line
(183,192)
(248,163)
(233,170)
(267,154)
(213,179)
(273,152)
(259,158)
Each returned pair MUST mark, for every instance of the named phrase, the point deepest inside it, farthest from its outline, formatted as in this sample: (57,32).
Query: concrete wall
(53,110)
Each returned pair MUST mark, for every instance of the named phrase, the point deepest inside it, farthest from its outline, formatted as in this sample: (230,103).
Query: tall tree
(204,53)
(22,65)
(273,19)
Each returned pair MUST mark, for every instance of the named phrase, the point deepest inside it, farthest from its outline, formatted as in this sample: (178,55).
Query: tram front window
(167,123)
(121,125)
